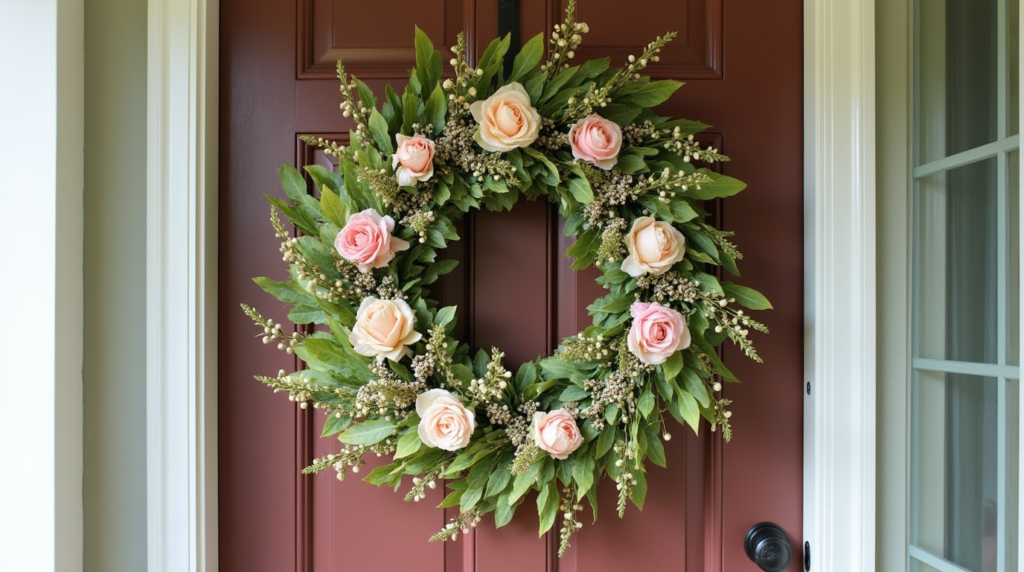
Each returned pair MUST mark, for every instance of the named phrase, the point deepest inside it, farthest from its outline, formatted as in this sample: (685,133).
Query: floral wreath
(389,375)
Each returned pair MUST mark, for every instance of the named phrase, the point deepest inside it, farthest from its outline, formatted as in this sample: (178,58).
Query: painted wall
(114,483)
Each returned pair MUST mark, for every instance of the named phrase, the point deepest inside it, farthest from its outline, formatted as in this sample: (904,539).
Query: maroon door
(741,60)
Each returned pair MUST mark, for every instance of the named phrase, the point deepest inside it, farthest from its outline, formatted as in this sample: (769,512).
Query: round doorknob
(768,547)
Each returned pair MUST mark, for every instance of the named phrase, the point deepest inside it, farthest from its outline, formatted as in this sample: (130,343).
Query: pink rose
(657,332)
(654,246)
(367,241)
(444,422)
(507,120)
(384,329)
(414,160)
(596,140)
(556,433)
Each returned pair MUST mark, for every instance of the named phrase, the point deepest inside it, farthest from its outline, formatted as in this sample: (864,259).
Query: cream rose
(414,159)
(657,332)
(367,241)
(556,432)
(444,422)
(654,246)
(596,140)
(384,329)
(507,120)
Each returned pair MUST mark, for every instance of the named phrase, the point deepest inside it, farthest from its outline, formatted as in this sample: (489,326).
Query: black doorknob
(768,547)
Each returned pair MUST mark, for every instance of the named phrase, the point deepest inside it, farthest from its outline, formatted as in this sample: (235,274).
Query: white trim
(839,206)
(181,286)
(42,121)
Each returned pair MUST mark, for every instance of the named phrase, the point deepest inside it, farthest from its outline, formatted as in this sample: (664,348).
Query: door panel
(514,289)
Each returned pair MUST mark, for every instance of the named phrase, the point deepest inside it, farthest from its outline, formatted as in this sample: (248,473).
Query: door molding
(839,165)
(181,286)
(839,283)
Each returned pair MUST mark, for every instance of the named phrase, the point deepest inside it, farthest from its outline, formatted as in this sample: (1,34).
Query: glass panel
(957,76)
(955,251)
(955,472)
(1012,470)
(1012,69)
(1013,261)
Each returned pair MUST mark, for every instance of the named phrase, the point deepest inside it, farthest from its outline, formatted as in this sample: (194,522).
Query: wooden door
(741,60)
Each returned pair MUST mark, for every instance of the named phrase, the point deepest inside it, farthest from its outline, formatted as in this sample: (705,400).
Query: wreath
(388,373)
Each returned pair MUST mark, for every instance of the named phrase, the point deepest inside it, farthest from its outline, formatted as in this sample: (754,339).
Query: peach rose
(367,241)
(596,140)
(556,433)
(383,329)
(654,246)
(507,120)
(444,422)
(414,159)
(657,332)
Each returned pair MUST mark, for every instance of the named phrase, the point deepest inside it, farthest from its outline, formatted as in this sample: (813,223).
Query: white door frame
(839,159)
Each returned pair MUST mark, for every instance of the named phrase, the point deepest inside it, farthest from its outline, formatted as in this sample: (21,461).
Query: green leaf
(283,291)
(436,108)
(412,111)
(646,402)
(335,424)
(452,499)
(543,160)
(573,393)
(503,510)
(381,475)
(408,444)
(594,68)
(664,387)
(631,164)
(498,481)
(547,506)
(639,492)
(527,58)
(368,432)
(693,385)
(379,131)
(444,316)
(333,208)
(306,314)
(605,441)
(649,94)
(622,114)
(746,297)
(721,186)
(655,449)
(524,481)
(581,191)
(672,366)
(687,408)
(583,474)
(428,60)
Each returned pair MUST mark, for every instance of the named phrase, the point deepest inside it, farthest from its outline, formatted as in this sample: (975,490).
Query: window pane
(955,252)
(957,76)
(1012,69)
(1012,470)
(1013,261)
(954,471)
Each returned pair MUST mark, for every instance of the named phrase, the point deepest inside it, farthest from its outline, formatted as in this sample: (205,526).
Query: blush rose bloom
(507,120)
(444,422)
(556,432)
(414,159)
(367,241)
(654,246)
(657,332)
(596,140)
(384,329)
